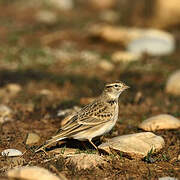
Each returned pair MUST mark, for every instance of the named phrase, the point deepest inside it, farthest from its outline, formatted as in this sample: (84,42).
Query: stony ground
(56,66)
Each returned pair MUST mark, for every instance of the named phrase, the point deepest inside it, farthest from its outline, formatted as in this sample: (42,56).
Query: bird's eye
(116,85)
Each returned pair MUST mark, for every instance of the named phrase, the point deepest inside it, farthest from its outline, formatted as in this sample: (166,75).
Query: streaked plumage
(95,119)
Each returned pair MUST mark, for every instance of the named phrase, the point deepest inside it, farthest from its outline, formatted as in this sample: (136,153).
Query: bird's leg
(94,145)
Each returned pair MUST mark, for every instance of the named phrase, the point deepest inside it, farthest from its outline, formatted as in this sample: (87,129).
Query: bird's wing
(92,121)
(88,117)
(78,126)
(91,115)
(95,114)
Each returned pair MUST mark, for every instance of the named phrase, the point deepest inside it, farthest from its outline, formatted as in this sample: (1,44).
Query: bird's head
(113,90)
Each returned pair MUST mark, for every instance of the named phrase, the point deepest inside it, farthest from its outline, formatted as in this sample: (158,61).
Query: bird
(93,120)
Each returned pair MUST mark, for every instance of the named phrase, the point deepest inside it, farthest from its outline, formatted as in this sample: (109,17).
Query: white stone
(125,56)
(32,138)
(31,173)
(153,42)
(134,145)
(173,83)
(162,121)
(11,152)
(167,178)
(86,161)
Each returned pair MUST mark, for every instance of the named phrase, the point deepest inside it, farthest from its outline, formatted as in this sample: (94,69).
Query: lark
(93,120)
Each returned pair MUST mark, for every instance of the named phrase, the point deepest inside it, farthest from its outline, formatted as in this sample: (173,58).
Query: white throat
(114,96)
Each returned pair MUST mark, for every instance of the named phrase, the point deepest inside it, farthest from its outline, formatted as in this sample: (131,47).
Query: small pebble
(173,83)
(167,178)
(32,138)
(11,152)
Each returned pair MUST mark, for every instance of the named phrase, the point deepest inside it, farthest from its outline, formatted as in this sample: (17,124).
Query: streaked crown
(117,85)
(115,89)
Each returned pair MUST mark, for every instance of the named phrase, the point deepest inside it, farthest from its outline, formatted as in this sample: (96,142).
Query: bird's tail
(48,142)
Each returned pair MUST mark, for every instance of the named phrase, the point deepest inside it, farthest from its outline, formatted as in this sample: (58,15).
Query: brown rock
(162,121)
(173,83)
(134,145)
(86,161)
(32,138)
(31,173)
(115,34)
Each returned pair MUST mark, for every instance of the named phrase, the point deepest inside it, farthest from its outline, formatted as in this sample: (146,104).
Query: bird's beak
(126,87)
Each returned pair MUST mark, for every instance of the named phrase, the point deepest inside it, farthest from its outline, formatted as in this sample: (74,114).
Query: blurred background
(66,49)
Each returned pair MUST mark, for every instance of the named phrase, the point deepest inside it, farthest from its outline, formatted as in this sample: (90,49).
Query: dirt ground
(49,84)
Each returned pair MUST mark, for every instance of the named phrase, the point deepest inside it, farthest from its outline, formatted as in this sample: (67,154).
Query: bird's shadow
(75,144)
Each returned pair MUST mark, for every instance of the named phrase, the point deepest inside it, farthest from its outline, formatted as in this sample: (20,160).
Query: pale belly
(98,130)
